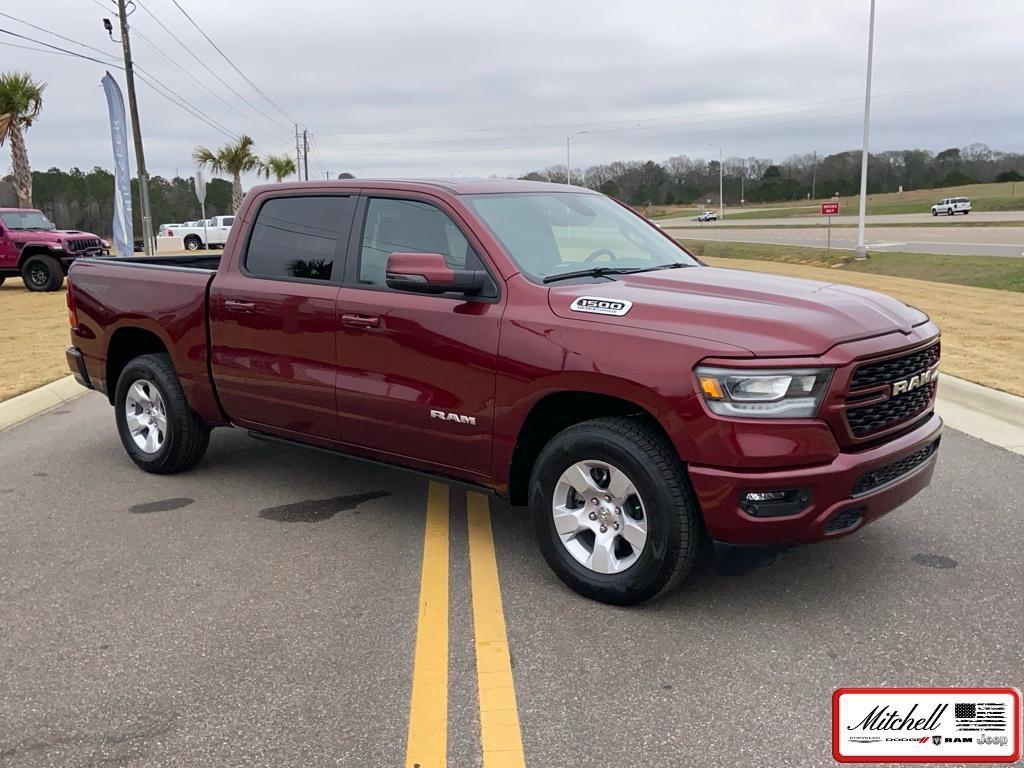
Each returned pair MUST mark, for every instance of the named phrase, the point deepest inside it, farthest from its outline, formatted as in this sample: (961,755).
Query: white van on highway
(952,205)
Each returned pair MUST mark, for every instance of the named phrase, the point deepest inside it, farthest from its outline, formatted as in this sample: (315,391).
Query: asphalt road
(958,241)
(851,218)
(262,610)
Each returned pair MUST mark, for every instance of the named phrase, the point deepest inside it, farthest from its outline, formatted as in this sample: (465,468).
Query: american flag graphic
(980,716)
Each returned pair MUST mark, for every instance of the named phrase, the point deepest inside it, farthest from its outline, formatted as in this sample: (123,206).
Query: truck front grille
(896,409)
(867,419)
(876,478)
(886,371)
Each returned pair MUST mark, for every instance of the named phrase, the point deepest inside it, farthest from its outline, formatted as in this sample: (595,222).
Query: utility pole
(568,171)
(298,154)
(861,252)
(305,152)
(814,176)
(133,107)
(721,185)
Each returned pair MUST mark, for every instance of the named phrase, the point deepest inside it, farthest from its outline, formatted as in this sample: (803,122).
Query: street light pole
(568,167)
(721,199)
(861,252)
(133,108)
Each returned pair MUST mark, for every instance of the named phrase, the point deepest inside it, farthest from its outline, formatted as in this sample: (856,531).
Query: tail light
(72,311)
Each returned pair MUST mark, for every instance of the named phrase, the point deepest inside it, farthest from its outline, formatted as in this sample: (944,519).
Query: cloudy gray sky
(464,87)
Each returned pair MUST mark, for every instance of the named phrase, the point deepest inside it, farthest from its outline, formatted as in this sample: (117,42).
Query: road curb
(988,414)
(45,398)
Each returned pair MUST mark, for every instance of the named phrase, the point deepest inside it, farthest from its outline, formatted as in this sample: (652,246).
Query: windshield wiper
(593,272)
(673,265)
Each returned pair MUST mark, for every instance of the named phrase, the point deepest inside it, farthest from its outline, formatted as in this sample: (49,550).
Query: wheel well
(553,413)
(33,250)
(125,345)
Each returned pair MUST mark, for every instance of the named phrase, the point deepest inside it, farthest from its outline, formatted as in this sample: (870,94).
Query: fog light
(775,503)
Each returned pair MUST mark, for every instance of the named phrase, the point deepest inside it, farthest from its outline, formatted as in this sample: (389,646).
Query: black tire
(192,243)
(676,535)
(950,212)
(42,273)
(186,438)
(2,279)
(934,212)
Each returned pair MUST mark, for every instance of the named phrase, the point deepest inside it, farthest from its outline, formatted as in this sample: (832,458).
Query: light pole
(721,199)
(861,252)
(568,166)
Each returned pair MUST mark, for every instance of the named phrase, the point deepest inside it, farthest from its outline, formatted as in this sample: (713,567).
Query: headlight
(764,394)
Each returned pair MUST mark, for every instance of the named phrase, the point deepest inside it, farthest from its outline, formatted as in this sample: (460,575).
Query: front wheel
(157,428)
(950,212)
(614,513)
(42,273)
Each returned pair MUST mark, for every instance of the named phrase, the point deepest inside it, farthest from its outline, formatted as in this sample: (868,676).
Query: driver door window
(409,226)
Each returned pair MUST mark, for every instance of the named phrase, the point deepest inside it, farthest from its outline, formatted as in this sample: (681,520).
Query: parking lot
(263,609)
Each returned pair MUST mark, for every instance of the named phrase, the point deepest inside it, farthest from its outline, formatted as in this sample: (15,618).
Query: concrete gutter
(987,414)
(45,398)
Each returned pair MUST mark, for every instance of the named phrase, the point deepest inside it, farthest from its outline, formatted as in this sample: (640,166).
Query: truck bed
(163,298)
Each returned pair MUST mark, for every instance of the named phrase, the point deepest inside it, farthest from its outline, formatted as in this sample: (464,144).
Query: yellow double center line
(500,736)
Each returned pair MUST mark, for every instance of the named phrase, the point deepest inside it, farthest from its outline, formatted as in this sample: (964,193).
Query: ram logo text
(914,382)
(457,417)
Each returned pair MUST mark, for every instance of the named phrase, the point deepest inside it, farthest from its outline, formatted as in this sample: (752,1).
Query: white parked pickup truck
(197,234)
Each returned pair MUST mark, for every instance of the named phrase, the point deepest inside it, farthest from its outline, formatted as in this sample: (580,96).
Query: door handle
(232,305)
(361,321)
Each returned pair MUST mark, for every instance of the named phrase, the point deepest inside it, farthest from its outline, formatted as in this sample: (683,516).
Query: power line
(205,66)
(51,32)
(153,82)
(233,66)
(43,50)
(58,48)
(193,78)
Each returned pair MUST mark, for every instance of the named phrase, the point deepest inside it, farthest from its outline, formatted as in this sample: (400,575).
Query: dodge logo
(916,381)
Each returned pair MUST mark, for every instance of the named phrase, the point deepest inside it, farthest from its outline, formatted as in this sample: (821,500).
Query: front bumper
(77,365)
(833,510)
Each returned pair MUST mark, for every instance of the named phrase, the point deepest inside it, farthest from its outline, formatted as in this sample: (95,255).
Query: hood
(768,315)
(49,236)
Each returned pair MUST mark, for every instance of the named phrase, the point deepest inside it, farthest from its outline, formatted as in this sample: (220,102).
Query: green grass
(998,272)
(1008,196)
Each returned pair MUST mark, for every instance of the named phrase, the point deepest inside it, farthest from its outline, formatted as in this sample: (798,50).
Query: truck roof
(18,210)
(460,186)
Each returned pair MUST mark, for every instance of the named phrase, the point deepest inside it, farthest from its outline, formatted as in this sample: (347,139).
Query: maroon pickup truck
(34,249)
(538,340)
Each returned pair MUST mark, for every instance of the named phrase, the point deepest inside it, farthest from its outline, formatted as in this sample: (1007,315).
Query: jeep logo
(456,417)
(914,382)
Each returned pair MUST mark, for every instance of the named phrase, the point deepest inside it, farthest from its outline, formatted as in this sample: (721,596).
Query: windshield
(551,233)
(26,220)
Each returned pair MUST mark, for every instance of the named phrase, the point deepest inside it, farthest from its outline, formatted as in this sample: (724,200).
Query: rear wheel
(157,428)
(613,511)
(192,243)
(42,273)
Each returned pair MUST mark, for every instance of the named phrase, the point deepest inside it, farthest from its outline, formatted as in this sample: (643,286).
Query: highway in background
(957,241)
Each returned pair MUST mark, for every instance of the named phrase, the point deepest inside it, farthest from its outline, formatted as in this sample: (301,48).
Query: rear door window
(300,238)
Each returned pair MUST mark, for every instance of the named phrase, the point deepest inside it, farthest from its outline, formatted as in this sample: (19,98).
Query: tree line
(682,179)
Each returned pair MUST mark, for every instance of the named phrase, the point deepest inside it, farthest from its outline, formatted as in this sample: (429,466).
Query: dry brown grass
(33,337)
(983,329)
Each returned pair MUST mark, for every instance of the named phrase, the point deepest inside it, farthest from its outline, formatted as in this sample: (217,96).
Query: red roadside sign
(830,209)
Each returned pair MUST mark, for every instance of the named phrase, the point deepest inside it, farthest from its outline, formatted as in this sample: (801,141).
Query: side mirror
(430,273)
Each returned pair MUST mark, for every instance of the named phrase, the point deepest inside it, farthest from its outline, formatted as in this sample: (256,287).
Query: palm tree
(277,166)
(21,100)
(236,158)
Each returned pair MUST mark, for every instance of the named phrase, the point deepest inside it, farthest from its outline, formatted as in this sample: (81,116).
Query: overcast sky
(464,87)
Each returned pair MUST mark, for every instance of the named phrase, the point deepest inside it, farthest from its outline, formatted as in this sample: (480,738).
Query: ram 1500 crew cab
(539,340)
